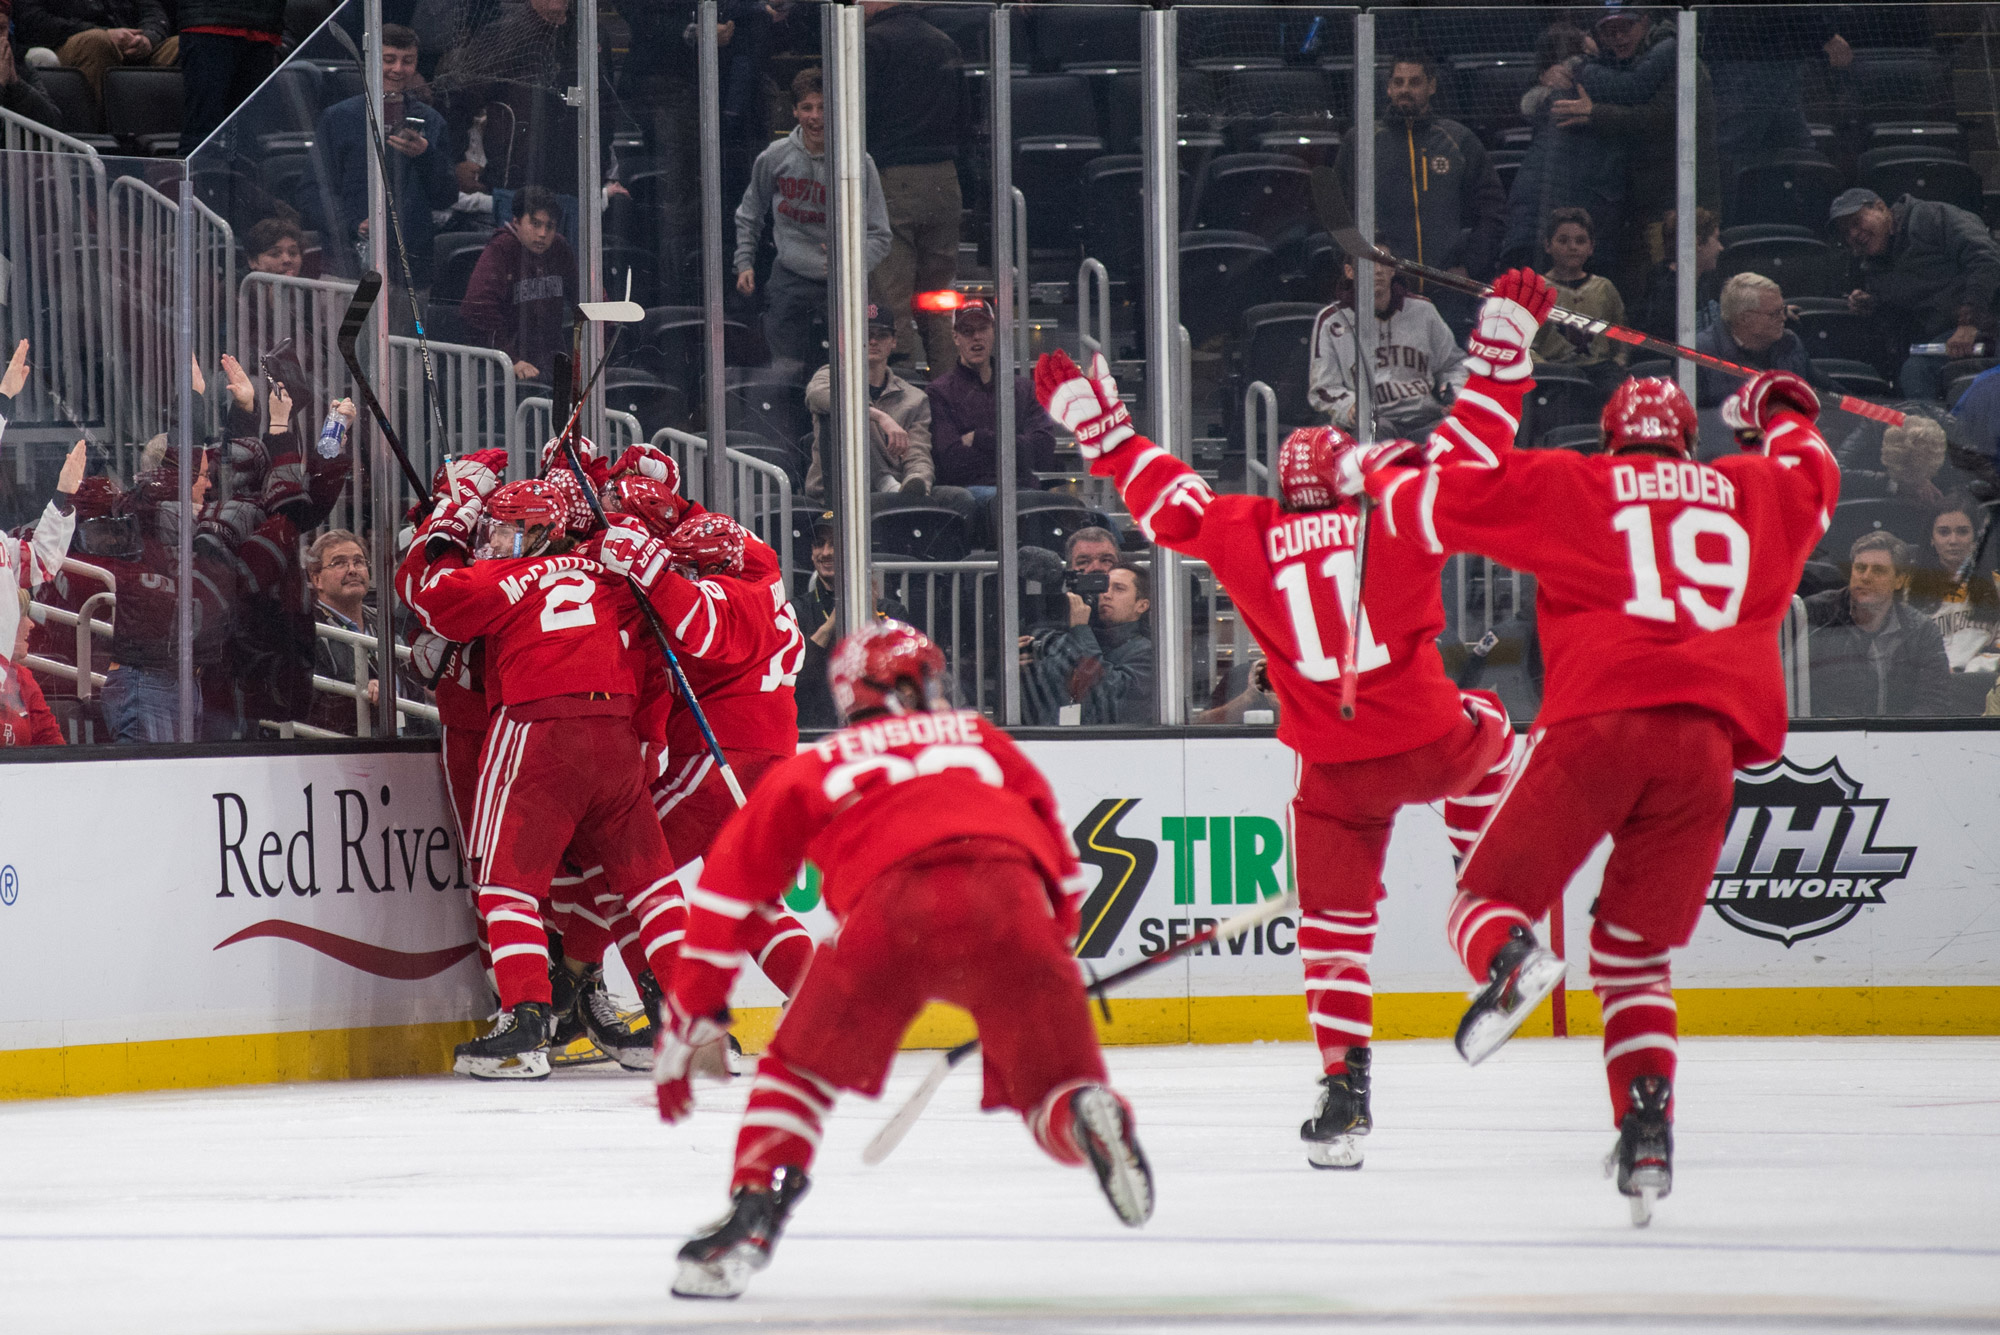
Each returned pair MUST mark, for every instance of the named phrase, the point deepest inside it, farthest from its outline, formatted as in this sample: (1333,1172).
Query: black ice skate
(515,1048)
(1643,1158)
(1332,1135)
(719,1263)
(1105,1132)
(650,997)
(607,1028)
(1522,973)
(570,1044)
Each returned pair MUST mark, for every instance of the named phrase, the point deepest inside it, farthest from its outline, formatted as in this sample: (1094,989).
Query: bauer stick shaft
(1333,211)
(1350,667)
(893,1130)
(350,333)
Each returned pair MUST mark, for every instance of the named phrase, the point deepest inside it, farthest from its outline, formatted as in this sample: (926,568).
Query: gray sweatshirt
(1418,367)
(792,183)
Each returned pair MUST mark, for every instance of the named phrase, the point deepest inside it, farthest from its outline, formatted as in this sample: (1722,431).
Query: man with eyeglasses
(337,567)
(1752,333)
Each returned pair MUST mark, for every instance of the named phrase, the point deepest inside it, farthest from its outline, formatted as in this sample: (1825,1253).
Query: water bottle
(1940,349)
(332,434)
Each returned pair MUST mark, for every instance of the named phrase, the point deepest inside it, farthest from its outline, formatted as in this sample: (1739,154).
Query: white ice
(1845,1183)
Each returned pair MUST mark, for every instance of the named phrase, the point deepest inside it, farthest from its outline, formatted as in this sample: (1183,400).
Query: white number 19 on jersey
(1294,582)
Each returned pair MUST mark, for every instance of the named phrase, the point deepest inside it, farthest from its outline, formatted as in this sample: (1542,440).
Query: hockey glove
(1755,405)
(1086,405)
(681,1036)
(452,524)
(1498,346)
(475,476)
(1354,467)
(628,548)
(647,461)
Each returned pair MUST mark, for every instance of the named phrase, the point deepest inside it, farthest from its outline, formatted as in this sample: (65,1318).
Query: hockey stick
(350,333)
(1331,205)
(1350,668)
(396,233)
(893,1130)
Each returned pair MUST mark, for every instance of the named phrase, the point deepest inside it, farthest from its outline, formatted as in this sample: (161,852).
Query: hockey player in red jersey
(948,866)
(561,765)
(1289,566)
(1661,583)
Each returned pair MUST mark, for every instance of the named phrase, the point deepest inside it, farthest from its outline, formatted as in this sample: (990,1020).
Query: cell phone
(414,124)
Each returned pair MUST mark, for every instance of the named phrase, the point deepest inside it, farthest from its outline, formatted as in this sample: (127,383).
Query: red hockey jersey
(739,644)
(1659,581)
(554,625)
(1291,577)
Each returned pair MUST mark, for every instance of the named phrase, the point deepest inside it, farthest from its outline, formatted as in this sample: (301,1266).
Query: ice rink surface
(1833,1184)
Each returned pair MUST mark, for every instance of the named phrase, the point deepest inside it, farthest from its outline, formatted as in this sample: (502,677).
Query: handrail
(357,690)
(1795,655)
(1267,466)
(1020,312)
(1091,275)
(14,125)
(72,566)
(1184,401)
(778,480)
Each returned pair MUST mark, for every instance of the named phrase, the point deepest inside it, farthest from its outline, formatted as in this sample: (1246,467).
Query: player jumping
(1289,566)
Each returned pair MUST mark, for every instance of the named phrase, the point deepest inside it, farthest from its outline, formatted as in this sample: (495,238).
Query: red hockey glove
(1498,346)
(1086,405)
(475,476)
(1353,468)
(629,548)
(681,1036)
(647,461)
(452,525)
(1755,405)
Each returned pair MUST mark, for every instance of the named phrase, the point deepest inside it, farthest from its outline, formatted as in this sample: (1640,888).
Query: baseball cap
(973,314)
(1614,11)
(1850,202)
(823,524)
(879,320)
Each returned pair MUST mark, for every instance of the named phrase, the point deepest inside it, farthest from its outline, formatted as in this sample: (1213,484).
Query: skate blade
(526,1066)
(1642,1206)
(727,1276)
(1121,1168)
(1340,1152)
(580,1052)
(1484,1036)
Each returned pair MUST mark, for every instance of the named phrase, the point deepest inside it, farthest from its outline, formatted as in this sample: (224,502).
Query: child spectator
(519,296)
(1570,239)
(1418,366)
(275,246)
(25,719)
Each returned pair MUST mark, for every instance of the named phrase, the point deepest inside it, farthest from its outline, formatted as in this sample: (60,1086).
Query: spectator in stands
(21,90)
(1099,670)
(228,47)
(1419,367)
(1256,695)
(914,100)
(1571,240)
(420,168)
(1565,165)
(1758,59)
(1661,315)
(1872,654)
(965,444)
(814,606)
(1949,587)
(522,288)
(94,35)
(275,246)
(1437,198)
(1915,457)
(337,567)
(899,427)
(25,719)
(789,181)
(1751,333)
(1092,550)
(1929,269)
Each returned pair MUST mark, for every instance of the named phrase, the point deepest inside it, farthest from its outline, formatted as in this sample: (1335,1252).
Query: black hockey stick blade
(350,333)
(356,316)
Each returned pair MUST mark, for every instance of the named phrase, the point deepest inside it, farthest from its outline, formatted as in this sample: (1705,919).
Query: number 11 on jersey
(1294,581)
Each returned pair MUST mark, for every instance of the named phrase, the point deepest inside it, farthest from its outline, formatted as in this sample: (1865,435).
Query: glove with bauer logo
(1087,405)
(1498,345)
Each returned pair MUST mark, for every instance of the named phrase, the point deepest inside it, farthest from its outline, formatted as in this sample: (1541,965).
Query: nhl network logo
(1800,857)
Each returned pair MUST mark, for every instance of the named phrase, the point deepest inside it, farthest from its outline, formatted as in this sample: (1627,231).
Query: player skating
(953,878)
(1289,566)
(1661,583)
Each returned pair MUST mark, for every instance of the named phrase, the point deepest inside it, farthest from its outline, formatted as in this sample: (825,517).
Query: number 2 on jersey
(1730,575)
(568,602)
(1313,663)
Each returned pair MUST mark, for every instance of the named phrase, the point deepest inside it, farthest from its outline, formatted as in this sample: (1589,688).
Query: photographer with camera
(1097,669)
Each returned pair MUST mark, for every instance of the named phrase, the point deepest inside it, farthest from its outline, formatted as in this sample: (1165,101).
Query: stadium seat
(82,117)
(1055,136)
(1803,267)
(1869,159)
(773,409)
(1798,191)
(1764,231)
(640,264)
(1562,396)
(1046,519)
(1901,83)
(1947,136)
(1831,330)
(1582,437)
(1114,220)
(1276,348)
(1224,274)
(1489,88)
(1860,379)
(1908,520)
(917,532)
(655,403)
(1074,38)
(1268,194)
(284,174)
(1661,367)
(142,109)
(1944,179)
(456,255)
(282,113)
(1253,102)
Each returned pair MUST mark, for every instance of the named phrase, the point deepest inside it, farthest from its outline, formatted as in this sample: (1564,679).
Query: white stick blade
(892,1132)
(612,312)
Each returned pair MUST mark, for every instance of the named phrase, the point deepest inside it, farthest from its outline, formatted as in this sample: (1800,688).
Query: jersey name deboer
(1673,480)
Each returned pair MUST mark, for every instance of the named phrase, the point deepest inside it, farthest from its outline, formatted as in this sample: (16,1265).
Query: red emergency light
(941,302)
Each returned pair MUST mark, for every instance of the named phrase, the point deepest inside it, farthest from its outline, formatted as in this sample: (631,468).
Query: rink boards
(216,920)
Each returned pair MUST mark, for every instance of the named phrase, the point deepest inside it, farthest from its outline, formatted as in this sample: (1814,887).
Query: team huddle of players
(590,797)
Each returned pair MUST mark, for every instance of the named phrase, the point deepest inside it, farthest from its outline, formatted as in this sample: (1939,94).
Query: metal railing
(53,196)
(948,601)
(1262,470)
(534,423)
(1093,280)
(143,226)
(1795,659)
(477,388)
(762,491)
(357,689)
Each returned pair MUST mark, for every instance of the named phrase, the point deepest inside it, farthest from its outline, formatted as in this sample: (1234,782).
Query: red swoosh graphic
(378,960)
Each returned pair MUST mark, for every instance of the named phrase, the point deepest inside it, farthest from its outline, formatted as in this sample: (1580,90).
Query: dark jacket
(339,201)
(1941,270)
(254,15)
(960,403)
(1106,669)
(520,66)
(24,97)
(50,23)
(1634,101)
(913,89)
(1437,198)
(1787,354)
(1845,681)
(1660,313)
(518,301)
(813,606)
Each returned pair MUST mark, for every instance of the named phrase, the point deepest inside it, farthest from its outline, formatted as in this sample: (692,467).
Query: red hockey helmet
(1649,413)
(652,503)
(1305,467)
(578,518)
(708,544)
(532,509)
(870,669)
